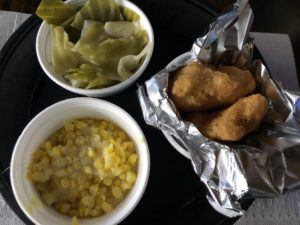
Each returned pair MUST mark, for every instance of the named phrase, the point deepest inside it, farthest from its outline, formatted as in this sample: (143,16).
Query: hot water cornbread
(234,122)
(214,100)
(198,87)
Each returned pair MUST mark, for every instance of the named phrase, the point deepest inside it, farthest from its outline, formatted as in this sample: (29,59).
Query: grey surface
(9,22)
(277,51)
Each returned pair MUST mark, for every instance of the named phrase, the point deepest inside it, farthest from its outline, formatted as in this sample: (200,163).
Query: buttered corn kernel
(85,169)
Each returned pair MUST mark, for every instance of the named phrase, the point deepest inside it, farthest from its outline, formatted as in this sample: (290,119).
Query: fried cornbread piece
(233,123)
(197,87)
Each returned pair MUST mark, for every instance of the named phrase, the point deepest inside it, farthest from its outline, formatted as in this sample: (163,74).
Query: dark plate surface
(174,194)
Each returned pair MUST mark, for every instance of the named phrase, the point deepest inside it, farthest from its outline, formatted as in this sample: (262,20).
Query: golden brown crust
(197,87)
(233,123)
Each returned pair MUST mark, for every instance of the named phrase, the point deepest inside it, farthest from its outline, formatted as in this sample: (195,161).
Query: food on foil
(234,122)
(261,165)
(100,35)
(199,87)
(85,169)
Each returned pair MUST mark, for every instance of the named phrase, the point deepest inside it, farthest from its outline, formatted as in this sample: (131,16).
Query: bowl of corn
(80,161)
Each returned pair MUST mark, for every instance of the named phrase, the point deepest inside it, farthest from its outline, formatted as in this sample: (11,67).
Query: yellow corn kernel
(87,169)
(70,136)
(48,146)
(65,183)
(69,126)
(61,173)
(80,125)
(122,176)
(122,135)
(54,152)
(79,140)
(107,181)
(38,154)
(98,163)
(106,207)
(117,182)
(64,207)
(103,134)
(95,212)
(94,130)
(116,171)
(125,185)
(130,177)
(112,141)
(45,160)
(132,159)
(81,211)
(41,187)
(102,190)
(88,201)
(94,189)
(48,198)
(36,177)
(130,145)
(116,192)
(91,153)
(104,124)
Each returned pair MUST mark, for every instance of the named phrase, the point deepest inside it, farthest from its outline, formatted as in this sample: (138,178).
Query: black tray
(174,194)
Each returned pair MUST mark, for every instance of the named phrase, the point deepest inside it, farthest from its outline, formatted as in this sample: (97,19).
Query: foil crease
(266,163)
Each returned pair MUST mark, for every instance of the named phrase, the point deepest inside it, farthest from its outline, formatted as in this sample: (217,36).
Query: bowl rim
(144,175)
(101,92)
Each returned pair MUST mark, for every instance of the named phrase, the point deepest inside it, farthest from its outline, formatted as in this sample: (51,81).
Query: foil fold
(266,162)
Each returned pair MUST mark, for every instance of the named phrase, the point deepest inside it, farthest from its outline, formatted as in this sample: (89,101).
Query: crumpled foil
(264,164)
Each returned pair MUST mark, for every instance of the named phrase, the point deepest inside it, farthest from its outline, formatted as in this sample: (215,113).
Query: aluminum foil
(267,162)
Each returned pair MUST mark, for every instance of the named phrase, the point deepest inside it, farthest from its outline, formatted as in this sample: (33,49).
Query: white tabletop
(277,52)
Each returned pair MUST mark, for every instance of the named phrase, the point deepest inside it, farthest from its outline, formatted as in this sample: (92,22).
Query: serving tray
(174,194)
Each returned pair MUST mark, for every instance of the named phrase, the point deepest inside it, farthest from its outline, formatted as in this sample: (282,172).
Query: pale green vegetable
(102,11)
(141,36)
(110,51)
(92,35)
(62,56)
(130,63)
(88,76)
(55,12)
(119,29)
(129,15)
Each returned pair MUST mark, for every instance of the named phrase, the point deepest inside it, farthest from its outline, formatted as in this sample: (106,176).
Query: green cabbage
(55,12)
(98,10)
(63,58)
(88,76)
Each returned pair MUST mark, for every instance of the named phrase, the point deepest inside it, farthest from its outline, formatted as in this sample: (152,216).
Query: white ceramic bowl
(46,123)
(43,50)
(181,58)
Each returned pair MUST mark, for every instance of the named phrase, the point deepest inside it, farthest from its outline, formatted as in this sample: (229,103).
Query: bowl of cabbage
(93,47)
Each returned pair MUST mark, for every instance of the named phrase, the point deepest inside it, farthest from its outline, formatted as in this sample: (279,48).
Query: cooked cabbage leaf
(130,63)
(119,29)
(62,56)
(98,10)
(109,52)
(55,12)
(88,76)
(129,15)
(92,35)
